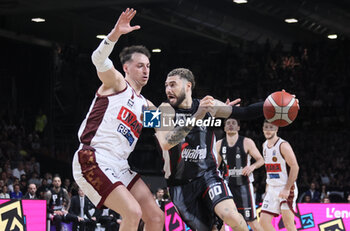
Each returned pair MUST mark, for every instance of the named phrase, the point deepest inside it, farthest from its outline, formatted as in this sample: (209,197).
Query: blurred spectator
(109,219)
(4,194)
(44,187)
(80,208)
(23,186)
(7,167)
(28,168)
(48,177)
(348,199)
(326,200)
(324,192)
(35,165)
(67,184)
(35,179)
(17,172)
(313,193)
(40,122)
(307,199)
(4,177)
(11,186)
(74,189)
(16,194)
(324,178)
(160,198)
(31,194)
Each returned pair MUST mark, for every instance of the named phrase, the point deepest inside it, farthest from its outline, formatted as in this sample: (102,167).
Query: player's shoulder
(284,144)
(64,190)
(149,102)
(248,141)
(219,142)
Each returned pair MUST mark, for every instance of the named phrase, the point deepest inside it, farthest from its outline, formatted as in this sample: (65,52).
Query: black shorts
(195,201)
(243,196)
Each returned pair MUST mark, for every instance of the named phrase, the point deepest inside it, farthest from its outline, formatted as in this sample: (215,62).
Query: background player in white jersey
(281,189)
(234,160)
(110,131)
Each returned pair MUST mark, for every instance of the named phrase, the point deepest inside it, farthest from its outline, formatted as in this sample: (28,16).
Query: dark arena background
(247,51)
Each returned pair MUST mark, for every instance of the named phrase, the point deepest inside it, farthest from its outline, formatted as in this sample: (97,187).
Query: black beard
(179,100)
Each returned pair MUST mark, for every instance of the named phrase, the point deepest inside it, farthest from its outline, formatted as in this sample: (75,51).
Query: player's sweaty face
(269,130)
(231,125)
(175,90)
(139,68)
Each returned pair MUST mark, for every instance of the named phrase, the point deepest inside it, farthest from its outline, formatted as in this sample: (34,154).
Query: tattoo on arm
(174,137)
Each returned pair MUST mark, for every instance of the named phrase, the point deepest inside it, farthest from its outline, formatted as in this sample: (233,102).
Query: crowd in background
(315,73)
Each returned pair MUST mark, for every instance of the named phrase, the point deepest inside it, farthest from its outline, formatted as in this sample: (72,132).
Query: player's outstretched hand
(295,99)
(123,24)
(234,102)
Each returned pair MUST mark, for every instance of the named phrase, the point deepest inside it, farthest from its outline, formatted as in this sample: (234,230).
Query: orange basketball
(280,108)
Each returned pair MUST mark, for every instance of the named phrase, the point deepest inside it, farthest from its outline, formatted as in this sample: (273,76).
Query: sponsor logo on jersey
(238,150)
(274,175)
(130,120)
(130,103)
(194,154)
(126,133)
(274,159)
(235,172)
(273,167)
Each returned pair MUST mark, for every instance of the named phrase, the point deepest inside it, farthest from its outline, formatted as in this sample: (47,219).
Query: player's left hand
(247,170)
(284,194)
(123,24)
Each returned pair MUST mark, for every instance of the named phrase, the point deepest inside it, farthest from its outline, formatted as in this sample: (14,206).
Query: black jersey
(56,200)
(234,159)
(194,155)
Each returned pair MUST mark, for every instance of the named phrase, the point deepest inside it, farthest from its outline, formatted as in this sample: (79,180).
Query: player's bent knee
(156,217)
(132,213)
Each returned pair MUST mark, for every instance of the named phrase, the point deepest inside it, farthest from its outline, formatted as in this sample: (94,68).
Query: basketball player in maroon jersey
(110,131)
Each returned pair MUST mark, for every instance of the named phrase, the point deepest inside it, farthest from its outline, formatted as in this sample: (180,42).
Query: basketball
(280,108)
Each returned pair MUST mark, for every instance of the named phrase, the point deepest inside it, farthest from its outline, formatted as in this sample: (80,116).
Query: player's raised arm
(252,111)
(113,80)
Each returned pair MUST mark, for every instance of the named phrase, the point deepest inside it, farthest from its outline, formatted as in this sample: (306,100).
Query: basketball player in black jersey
(235,153)
(195,186)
